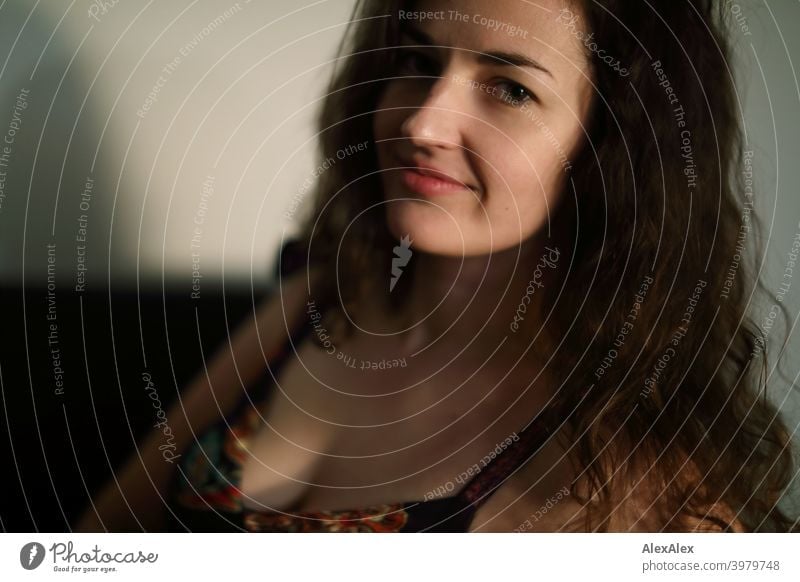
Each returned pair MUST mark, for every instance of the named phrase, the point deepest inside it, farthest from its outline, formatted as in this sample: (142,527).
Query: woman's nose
(440,118)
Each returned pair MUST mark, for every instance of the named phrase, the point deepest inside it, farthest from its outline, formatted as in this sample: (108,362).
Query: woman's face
(476,134)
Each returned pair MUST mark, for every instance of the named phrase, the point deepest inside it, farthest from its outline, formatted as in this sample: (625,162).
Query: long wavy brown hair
(656,390)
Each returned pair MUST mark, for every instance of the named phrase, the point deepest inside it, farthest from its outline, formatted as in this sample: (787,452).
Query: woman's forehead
(547,31)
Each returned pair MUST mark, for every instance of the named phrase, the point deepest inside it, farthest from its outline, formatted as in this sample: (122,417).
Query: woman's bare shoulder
(241,360)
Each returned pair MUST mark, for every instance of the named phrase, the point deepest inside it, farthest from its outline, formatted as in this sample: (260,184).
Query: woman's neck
(483,300)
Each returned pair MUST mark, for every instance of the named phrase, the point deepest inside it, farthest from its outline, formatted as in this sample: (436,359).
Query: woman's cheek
(513,178)
(524,190)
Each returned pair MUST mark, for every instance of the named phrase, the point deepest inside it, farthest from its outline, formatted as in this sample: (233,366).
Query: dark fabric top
(204,496)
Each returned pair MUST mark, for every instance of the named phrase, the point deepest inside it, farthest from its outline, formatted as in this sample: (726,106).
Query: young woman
(517,304)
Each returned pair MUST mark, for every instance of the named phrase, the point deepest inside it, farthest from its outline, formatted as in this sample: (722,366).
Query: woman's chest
(349,431)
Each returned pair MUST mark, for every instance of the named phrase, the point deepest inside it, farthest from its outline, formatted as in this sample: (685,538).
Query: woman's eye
(513,94)
(416,63)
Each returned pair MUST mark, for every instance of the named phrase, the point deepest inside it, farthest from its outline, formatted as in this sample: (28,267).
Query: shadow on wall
(55,199)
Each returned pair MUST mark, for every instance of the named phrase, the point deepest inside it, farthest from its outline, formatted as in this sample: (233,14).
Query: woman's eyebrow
(505,58)
(512,59)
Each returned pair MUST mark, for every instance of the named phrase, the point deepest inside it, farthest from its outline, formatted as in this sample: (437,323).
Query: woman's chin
(439,237)
(448,240)
(434,230)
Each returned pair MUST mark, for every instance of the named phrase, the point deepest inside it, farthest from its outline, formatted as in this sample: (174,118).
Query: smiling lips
(429,181)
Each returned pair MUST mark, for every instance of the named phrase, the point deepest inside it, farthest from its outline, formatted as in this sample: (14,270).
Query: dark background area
(56,448)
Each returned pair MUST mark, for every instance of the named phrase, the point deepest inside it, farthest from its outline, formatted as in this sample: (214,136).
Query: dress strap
(531,440)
